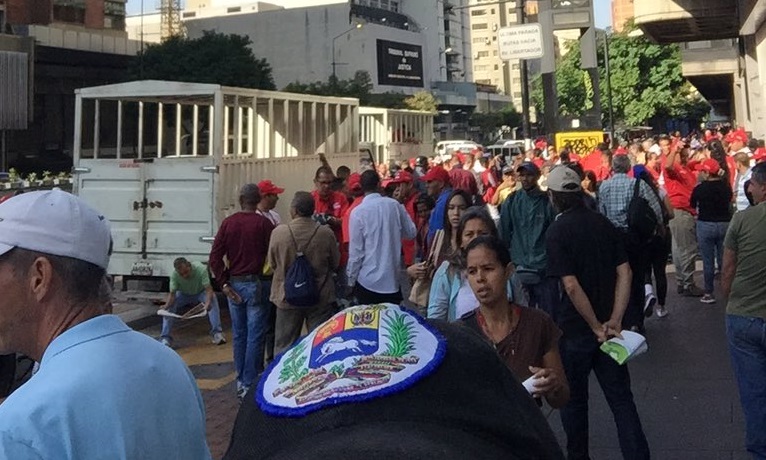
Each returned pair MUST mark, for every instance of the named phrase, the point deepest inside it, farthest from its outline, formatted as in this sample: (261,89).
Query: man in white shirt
(376,228)
(742,160)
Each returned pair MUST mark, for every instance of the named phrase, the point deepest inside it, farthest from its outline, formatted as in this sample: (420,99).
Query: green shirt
(197,281)
(747,237)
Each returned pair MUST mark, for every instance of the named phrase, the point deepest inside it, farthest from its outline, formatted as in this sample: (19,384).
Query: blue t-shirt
(104,391)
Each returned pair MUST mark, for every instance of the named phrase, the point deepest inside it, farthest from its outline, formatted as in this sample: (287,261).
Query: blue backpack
(300,284)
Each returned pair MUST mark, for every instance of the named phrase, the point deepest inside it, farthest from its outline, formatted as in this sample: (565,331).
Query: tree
(646,80)
(359,87)
(213,58)
(423,101)
(490,124)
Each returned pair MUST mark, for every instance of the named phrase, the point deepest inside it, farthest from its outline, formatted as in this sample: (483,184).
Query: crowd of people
(542,256)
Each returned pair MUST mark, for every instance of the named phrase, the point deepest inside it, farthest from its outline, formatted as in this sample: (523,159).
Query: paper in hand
(626,348)
(196,312)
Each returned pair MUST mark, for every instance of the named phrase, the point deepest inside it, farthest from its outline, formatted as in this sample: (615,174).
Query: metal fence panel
(14,90)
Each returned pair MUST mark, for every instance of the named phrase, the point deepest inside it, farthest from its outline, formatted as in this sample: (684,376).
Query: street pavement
(683,386)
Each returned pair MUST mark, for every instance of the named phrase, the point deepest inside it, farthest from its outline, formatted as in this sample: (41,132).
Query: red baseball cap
(266,187)
(401,177)
(436,173)
(710,166)
(759,155)
(736,135)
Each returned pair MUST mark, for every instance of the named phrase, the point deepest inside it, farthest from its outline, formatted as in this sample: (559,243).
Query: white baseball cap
(57,223)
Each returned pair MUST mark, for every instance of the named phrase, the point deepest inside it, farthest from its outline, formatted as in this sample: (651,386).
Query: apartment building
(622,12)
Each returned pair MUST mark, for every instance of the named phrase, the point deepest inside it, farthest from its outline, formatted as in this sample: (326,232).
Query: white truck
(164,160)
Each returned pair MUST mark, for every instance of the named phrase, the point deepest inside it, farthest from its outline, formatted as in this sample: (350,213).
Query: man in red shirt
(329,208)
(680,181)
(461,178)
(243,239)
(406,194)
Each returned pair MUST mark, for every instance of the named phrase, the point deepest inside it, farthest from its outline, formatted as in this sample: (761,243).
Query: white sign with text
(524,41)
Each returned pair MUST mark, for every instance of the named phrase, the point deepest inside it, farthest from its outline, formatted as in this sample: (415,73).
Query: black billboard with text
(400,64)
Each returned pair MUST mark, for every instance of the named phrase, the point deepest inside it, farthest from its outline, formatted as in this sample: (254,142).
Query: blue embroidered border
(428,369)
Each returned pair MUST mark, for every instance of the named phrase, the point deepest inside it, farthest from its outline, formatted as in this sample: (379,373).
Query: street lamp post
(334,63)
(608,86)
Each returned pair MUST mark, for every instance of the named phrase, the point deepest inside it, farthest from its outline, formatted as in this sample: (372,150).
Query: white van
(445,147)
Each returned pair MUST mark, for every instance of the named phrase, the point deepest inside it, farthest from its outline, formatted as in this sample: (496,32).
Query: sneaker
(692,291)
(218,338)
(649,303)
(661,311)
(241,392)
(166,341)
(707,298)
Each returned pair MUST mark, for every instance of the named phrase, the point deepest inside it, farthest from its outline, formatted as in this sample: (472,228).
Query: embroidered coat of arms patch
(363,352)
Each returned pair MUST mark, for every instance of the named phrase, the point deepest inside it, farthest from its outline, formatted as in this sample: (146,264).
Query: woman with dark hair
(525,338)
(712,198)
(718,153)
(589,183)
(451,296)
(658,247)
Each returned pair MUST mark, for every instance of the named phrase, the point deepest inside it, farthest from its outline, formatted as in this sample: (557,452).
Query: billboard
(400,64)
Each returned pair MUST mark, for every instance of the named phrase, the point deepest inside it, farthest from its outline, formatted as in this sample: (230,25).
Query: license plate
(142,268)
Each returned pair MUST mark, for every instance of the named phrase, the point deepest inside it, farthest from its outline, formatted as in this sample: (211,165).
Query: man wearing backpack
(302,288)
(377,228)
(636,211)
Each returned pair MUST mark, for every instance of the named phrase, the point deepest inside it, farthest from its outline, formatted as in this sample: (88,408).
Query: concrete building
(622,12)
(406,46)
(723,51)
(147,27)
(90,14)
(66,45)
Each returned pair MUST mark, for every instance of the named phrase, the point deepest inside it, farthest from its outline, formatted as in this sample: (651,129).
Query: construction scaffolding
(170,19)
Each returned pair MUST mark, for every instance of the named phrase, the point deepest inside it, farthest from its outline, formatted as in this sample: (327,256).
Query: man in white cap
(103,390)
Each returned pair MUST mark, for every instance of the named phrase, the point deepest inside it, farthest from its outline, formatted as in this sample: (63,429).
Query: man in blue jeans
(190,284)
(587,253)
(243,240)
(742,280)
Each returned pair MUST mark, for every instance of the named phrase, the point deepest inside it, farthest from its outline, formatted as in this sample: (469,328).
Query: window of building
(189,14)
(478,39)
(492,11)
(480,26)
(69,13)
(494,38)
(482,54)
(497,67)
(486,81)
(480,68)
(234,9)
(478,12)
(494,53)
(112,8)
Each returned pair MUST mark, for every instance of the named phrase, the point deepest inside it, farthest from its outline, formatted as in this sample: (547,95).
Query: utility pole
(609,87)
(521,18)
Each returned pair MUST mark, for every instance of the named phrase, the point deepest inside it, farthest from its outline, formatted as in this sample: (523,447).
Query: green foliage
(423,101)
(295,365)
(359,87)
(400,334)
(490,123)
(646,82)
(213,58)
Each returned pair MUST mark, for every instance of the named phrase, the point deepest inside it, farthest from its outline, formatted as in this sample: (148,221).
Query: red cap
(354,182)
(759,155)
(266,187)
(541,144)
(620,151)
(436,173)
(736,135)
(401,177)
(710,166)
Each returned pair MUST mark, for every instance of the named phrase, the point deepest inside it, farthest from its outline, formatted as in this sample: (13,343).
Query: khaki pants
(290,323)
(683,229)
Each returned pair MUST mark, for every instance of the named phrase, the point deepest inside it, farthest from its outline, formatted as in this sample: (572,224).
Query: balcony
(675,21)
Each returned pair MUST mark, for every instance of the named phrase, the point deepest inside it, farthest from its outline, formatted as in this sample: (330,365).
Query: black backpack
(300,284)
(642,221)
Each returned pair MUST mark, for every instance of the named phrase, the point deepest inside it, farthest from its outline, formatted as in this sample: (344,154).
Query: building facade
(90,14)
(406,46)
(622,12)
(723,51)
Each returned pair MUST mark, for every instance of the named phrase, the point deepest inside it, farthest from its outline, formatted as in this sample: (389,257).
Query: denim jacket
(442,300)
